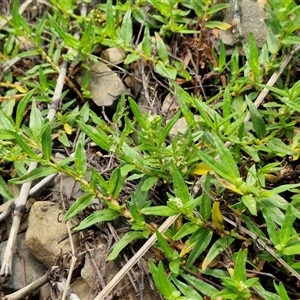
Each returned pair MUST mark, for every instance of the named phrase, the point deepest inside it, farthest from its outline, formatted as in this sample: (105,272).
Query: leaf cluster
(234,159)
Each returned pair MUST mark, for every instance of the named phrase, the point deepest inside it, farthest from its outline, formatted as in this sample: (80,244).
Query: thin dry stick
(265,247)
(73,262)
(171,220)
(29,289)
(19,203)
(135,258)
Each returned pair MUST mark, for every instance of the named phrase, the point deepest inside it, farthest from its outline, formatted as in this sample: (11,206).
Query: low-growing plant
(230,166)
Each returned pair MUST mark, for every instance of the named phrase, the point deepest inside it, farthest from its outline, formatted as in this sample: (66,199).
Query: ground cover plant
(227,186)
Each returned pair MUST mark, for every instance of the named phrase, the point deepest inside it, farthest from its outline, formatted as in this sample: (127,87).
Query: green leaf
(252,152)
(279,147)
(271,226)
(131,57)
(79,205)
(200,241)
(162,135)
(132,156)
(18,20)
(80,156)
(139,196)
(68,39)
(4,190)
(291,40)
(25,147)
(126,28)
(63,138)
(22,106)
(226,157)
(137,113)
(186,290)
(102,185)
(227,103)
(180,187)
(250,203)
(186,229)
(287,229)
(216,249)
(34,174)
(6,134)
(252,227)
(36,121)
(161,49)
(234,62)
(217,24)
(216,166)
(184,100)
(123,242)
(257,120)
(200,285)
(85,112)
(272,42)
(163,211)
(110,20)
(281,291)
(227,167)
(206,202)
(174,266)
(43,79)
(253,58)
(251,282)
(291,250)
(226,293)
(163,284)
(240,266)
(96,135)
(116,183)
(164,245)
(281,92)
(146,43)
(149,183)
(217,7)
(96,217)
(47,141)
(125,169)
(166,71)
(284,187)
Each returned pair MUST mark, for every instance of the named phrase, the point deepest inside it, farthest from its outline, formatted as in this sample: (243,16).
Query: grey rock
(47,236)
(113,55)
(170,106)
(82,289)
(250,18)
(24,265)
(104,84)
(108,269)
(97,255)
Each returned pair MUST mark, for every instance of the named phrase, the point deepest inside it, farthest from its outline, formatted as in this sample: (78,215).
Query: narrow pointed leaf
(80,204)
(257,120)
(216,249)
(123,242)
(96,217)
(34,174)
(47,141)
(180,187)
(126,28)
